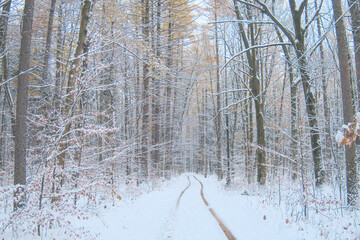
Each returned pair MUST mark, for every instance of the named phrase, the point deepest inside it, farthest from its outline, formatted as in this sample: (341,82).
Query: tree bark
(48,45)
(4,19)
(21,106)
(145,94)
(310,99)
(168,128)
(298,42)
(355,23)
(348,113)
(155,104)
(218,165)
(256,95)
(293,110)
(59,60)
(69,110)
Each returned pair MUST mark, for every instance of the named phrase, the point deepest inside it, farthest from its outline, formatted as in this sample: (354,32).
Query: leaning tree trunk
(310,99)
(350,151)
(70,88)
(21,106)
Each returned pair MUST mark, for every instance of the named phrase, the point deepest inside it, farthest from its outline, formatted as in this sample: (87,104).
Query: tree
(256,92)
(348,112)
(355,23)
(217,119)
(297,38)
(4,19)
(69,109)
(21,106)
(48,42)
(145,11)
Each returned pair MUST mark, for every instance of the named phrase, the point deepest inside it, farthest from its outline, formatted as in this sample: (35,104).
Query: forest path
(176,210)
(223,227)
(193,218)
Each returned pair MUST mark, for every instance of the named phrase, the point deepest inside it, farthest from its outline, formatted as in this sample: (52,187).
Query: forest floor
(176,210)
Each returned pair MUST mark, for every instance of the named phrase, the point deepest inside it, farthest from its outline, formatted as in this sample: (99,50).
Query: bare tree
(145,94)
(4,19)
(255,87)
(69,110)
(355,22)
(21,106)
(217,119)
(48,41)
(348,112)
(297,38)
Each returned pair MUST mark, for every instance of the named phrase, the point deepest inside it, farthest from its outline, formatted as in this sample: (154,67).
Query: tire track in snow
(182,193)
(223,227)
(170,223)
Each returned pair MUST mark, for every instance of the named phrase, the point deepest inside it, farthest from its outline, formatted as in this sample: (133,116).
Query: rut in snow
(223,227)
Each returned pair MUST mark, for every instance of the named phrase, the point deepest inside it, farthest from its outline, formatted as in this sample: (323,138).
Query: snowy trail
(193,219)
(177,211)
(223,227)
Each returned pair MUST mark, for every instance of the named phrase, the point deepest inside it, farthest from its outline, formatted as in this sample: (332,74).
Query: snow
(254,216)
(258,214)
(357,116)
(339,137)
(345,127)
(194,221)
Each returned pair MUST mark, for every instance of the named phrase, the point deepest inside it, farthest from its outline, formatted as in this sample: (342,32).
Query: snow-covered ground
(155,215)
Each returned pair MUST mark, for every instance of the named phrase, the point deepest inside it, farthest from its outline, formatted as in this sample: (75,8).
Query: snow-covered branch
(348,133)
(251,48)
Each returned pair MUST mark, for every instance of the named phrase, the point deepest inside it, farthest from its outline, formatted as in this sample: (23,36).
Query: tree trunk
(145,94)
(69,110)
(4,19)
(48,46)
(298,42)
(293,110)
(310,99)
(256,95)
(350,151)
(218,165)
(168,128)
(58,60)
(155,104)
(355,23)
(324,89)
(21,106)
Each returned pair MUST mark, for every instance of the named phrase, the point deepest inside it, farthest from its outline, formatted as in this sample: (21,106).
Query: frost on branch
(349,133)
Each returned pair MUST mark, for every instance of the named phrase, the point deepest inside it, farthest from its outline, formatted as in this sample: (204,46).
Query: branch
(230,91)
(243,21)
(251,4)
(290,35)
(316,44)
(314,16)
(251,48)
(302,7)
